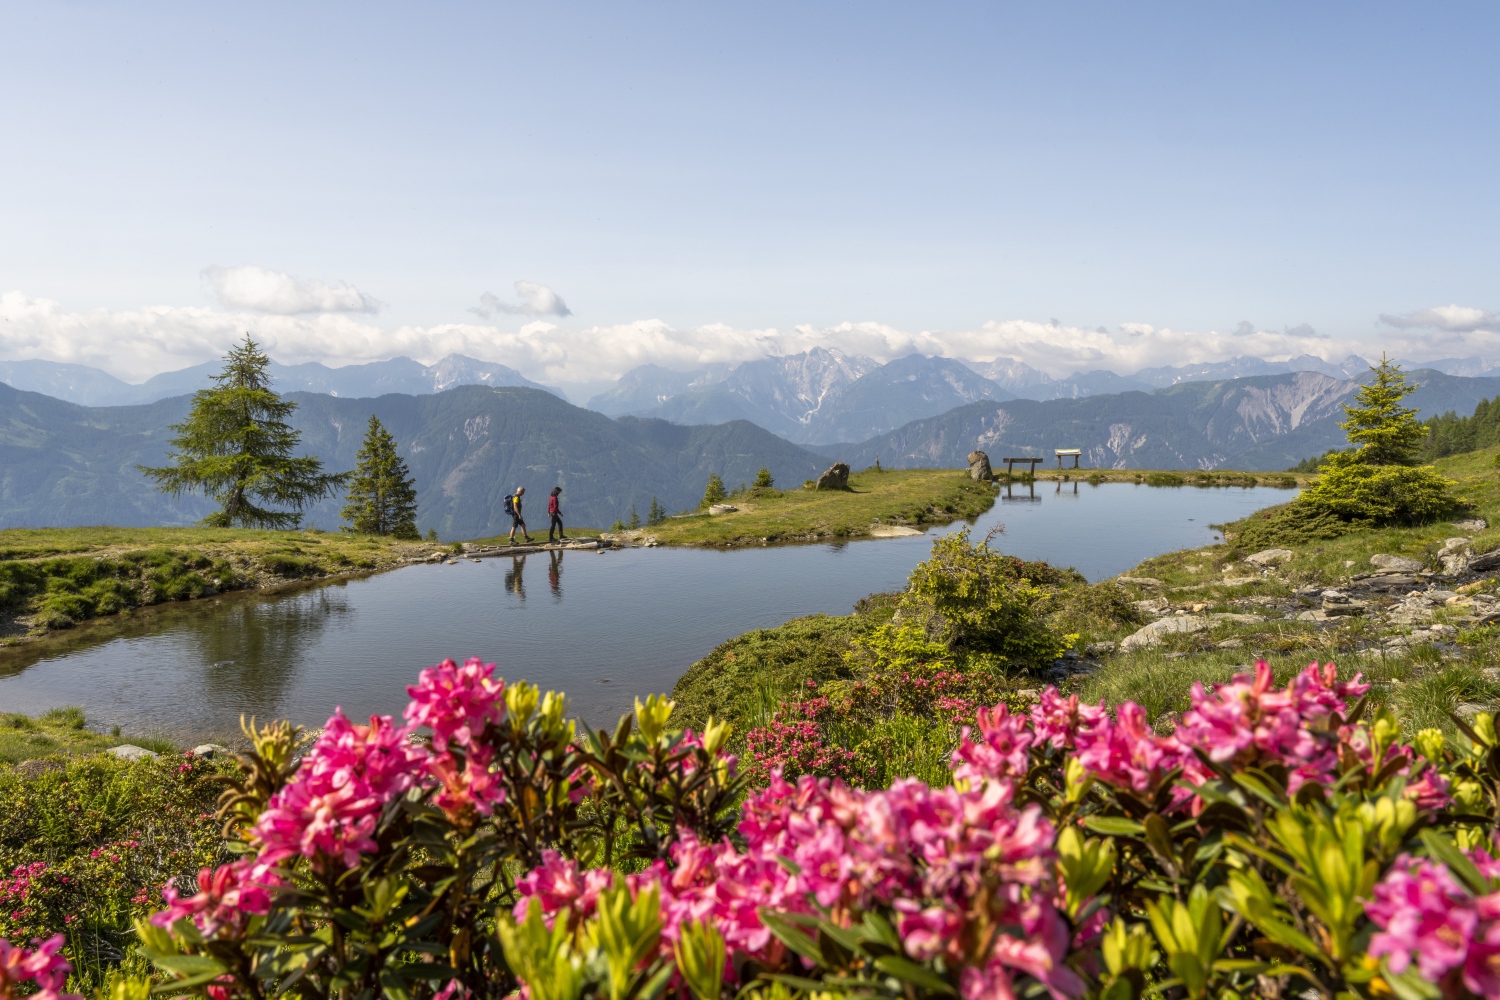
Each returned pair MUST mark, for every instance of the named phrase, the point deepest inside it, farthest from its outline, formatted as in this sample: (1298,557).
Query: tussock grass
(62,733)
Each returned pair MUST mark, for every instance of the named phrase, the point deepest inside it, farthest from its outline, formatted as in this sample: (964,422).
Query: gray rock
(129,751)
(1269,557)
(836,478)
(1238,619)
(722,508)
(1398,563)
(1100,648)
(1139,581)
(979,466)
(1240,581)
(1313,616)
(1344,609)
(33,769)
(210,750)
(1230,644)
(1153,634)
(1486,562)
(1473,524)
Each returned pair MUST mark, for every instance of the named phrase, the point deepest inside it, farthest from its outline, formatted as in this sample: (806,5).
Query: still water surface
(602,626)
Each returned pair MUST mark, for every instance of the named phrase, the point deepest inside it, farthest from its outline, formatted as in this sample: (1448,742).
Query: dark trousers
(557,526)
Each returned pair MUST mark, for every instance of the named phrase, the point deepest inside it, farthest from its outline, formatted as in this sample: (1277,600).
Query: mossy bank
(877,501)
(55,578)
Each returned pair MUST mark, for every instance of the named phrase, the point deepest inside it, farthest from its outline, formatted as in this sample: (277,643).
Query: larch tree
(1384,431)
(382,497)
(236,448)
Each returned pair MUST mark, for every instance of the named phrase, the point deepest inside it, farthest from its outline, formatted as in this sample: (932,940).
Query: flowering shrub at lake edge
(1281,839)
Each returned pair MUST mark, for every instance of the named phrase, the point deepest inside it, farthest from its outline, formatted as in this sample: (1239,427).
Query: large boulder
(979,467)
(836,478)
(1269,557)
(129,751)
(1401,564)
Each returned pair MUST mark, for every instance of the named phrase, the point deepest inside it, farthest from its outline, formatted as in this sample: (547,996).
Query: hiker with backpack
(555,512)
(513,508)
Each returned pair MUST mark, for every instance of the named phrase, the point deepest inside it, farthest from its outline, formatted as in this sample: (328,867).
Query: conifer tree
(635,519)
(236,447)
(382,495)
(714,491)
(1384,431)
(763,478)
(656,515)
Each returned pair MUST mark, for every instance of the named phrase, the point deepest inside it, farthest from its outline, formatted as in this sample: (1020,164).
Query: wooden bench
(1062,453)
(1010,465)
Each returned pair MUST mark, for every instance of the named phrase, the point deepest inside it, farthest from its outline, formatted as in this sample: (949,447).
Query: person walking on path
(555,512)
(513,508)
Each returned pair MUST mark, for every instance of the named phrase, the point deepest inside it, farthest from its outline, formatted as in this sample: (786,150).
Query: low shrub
(1282,840)
(1164,479)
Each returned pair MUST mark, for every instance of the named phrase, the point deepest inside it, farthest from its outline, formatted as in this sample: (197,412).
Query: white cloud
(536,300)
(256,289)
(1452,319)
(138,343)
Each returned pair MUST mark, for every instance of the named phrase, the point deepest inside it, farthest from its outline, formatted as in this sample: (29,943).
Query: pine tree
(714,492)
(236,447)
(763,478)
(656,515)
(382,496)
(635,519)
(1384,431)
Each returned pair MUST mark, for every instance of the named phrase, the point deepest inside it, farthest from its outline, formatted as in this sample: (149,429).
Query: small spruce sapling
(763,479)
(713,491)
(635,519)
(657,514)
(1384,431)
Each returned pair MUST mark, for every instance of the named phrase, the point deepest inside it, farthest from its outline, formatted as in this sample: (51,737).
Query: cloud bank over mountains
(302,319)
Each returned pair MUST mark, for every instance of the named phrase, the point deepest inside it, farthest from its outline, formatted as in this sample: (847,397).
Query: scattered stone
(1198,607)
(1397,563)
(33,769)
(892,531)
(210,750)
(1489,619)
(1230,644)
(1153,634)
(1469,709)
(836,478)
(1344,608)
(1175,656)
(1486,562)
(1152,606)
(1269,557)
(1238,619)
(1390,581)
(1100,648)
(726,508)
(1473,524)
(979,467)
(1318,615)
(1240,581)
(1442,596)
(129,751)
(1139,581)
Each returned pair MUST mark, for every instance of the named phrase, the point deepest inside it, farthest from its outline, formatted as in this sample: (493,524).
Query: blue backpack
(510,504)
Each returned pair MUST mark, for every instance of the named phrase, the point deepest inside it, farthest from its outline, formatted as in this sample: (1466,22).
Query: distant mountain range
(94,387)
(1255,423)
(824,397)
(64,464)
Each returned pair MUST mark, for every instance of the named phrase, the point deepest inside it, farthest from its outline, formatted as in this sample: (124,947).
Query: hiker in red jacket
(556,514)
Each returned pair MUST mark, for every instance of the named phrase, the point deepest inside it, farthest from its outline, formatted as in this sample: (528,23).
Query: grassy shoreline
(55,578)
(876,501)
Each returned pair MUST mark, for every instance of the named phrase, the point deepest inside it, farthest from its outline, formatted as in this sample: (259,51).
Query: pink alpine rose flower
(456,702)
(43,967)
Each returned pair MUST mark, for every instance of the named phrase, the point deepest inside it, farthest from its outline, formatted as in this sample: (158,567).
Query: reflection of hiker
(513,584)
(554,574)
(513,508)
(555,512)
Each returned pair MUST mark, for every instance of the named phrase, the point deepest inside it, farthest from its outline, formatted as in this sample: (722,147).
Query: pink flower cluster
(227,897)
(1246,721)
(331,806)
(946,861)
(796,747)
(1250,721)
(458,703)
(1425,915)
(16,890)
(43,967)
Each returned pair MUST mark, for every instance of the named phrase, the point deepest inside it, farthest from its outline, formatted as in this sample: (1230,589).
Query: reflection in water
(554,574)
(1029,496)
(513,582)
(1059,490)
(253,649)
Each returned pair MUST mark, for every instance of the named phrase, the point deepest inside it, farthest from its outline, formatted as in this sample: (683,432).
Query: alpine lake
(604,626)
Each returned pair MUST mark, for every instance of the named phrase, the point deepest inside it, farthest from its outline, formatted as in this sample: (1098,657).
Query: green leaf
(908,971)
(1442,849)
(1114,826)
(791,936)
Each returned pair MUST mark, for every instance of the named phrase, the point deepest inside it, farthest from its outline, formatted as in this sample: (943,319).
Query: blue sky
(704,181)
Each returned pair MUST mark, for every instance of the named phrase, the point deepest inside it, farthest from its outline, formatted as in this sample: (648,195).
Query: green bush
(1165,479)
(1381,495)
